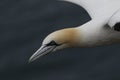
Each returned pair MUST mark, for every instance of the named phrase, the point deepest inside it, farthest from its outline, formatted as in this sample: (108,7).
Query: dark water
(23,26)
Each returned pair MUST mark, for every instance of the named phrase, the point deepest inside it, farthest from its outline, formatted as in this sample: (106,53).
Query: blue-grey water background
(23,26)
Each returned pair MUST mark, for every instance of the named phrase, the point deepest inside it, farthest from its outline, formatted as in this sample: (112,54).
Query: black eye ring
(52,43)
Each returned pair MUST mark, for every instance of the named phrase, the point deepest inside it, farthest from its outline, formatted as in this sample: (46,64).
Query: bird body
(100,30)
(97,33)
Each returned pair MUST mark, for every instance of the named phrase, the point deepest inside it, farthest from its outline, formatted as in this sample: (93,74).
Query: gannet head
(56,41)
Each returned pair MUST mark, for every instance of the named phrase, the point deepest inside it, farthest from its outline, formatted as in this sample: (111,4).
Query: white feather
(114,19)
(97,8)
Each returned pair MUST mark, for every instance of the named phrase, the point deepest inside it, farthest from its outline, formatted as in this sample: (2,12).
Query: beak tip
(30,60)
(40,52)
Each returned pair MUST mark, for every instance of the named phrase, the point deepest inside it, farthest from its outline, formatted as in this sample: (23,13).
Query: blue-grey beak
(41,51)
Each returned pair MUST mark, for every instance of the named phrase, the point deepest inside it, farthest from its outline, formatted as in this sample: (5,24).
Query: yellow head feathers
(69,36)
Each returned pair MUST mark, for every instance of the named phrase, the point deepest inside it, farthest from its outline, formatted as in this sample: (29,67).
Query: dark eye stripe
(52,43)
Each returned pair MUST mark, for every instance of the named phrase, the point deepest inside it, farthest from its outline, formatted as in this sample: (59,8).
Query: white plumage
(101,30)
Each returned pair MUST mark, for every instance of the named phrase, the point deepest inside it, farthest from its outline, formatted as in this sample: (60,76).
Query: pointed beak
(41,51)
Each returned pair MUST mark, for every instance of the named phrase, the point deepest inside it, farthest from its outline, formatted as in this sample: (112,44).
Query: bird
(102,29)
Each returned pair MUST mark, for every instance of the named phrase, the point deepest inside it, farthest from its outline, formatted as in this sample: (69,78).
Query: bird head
(56,41)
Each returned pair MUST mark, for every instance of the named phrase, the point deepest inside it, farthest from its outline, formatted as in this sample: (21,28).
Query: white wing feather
(95,8)
(114,19)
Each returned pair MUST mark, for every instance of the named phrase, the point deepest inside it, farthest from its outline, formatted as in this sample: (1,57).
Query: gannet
(102,29)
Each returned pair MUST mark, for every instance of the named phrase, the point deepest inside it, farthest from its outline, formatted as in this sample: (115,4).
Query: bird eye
(52,43)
